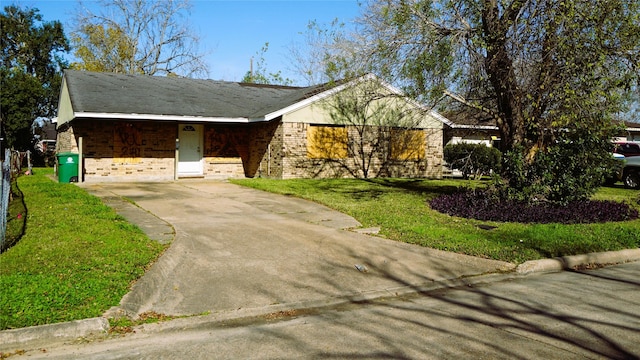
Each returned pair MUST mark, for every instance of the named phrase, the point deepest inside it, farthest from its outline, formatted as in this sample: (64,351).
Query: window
(127,143)
(327,142)
(407,144)
(221,142)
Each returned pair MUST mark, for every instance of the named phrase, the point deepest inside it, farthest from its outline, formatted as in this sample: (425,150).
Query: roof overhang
(473,127)
(156,117)
(312,99)
(322,95)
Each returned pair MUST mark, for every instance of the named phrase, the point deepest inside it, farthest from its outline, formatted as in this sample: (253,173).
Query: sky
(233,31)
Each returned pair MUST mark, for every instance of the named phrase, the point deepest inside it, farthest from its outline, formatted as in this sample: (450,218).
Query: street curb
(43,336)
(579,261)
(35,336)
(46,335)
(292,310)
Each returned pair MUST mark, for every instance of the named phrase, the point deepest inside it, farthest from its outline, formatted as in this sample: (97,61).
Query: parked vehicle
(631,172)
(626,148)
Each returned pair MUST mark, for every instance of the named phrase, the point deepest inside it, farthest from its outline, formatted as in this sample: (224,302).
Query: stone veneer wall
(272,149)
(233,151)
(271,163)
(221,168)
(145,151)
(66,141)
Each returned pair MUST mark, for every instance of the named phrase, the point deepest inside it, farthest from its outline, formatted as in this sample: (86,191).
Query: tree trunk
(499,67)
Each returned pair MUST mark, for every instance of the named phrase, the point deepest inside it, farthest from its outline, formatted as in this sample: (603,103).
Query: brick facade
(122,151)
(145,151)
(289,158)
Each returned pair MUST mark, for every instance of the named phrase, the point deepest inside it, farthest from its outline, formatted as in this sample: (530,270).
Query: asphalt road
(587,314)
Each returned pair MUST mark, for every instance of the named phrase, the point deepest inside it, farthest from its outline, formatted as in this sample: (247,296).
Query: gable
(318,110)
(65,109)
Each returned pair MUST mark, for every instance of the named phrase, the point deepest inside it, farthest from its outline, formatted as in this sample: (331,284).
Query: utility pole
(251,69)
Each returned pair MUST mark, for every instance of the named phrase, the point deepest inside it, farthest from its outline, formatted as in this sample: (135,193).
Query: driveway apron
(239,248)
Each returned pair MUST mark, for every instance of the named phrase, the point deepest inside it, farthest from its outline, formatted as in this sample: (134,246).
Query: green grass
(399,207)
(77,257)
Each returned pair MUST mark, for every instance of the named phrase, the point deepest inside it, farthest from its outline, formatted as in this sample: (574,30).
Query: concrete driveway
(239,248)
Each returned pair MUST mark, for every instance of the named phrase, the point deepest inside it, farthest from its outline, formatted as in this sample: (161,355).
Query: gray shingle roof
(93,92)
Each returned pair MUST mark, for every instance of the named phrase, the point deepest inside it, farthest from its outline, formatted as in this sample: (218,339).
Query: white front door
(190,150)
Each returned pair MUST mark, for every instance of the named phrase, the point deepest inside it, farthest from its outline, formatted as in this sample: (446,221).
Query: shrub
(472,158)
(572,168)
(483,205)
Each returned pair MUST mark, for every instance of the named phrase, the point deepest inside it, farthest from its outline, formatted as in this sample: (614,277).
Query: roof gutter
(473,127)
(178,118)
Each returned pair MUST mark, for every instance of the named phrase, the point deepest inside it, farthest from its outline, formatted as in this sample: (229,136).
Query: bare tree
(309,57)
(259,74)
(138,36)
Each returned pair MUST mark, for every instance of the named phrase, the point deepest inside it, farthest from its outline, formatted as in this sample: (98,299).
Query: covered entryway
(190,150)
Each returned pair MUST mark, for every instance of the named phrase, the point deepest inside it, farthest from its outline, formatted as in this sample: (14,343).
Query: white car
(630,174)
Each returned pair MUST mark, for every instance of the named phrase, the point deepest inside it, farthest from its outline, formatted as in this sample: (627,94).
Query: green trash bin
(67,167)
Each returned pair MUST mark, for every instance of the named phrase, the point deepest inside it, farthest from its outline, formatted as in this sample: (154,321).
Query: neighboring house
(631,132)
(470,127)
(474,127)
(146,128)
(47,138)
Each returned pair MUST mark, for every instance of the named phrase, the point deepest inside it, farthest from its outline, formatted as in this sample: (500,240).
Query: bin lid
(67,158)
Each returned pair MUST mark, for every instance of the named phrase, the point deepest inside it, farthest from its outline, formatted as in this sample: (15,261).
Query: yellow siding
(65,109)
(311,114)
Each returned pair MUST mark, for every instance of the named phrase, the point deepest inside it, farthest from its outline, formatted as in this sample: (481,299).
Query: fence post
(29,166)
(4,196)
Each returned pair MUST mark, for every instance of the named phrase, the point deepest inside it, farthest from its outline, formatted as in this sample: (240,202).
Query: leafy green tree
(551,73)
(259,74)
(138,37)
(30,71)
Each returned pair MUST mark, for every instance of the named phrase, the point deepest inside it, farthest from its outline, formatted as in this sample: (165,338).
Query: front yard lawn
(77,257)
(399,207)
(76,260)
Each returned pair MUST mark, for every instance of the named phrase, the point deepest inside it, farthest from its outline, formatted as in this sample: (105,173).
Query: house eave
(176,118)
(473,127)
(305,102)
(325,94)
